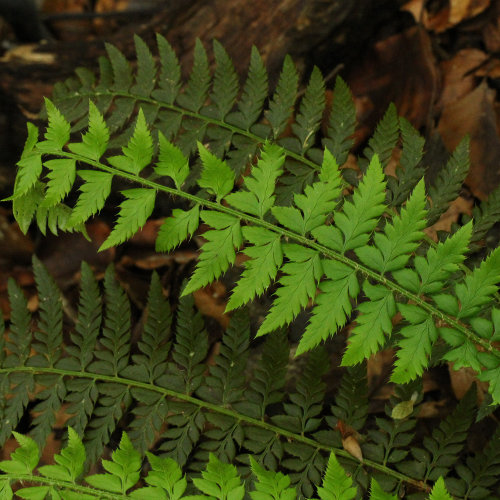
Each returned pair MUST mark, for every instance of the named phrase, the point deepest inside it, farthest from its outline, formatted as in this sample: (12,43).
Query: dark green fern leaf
(442,450)
(225,86)
(486,215)
(170,73)
(342,122)
(196,91)
(122,72)
(409,170)
(226,382)
(385,137)
(146,69)
(189,351)
(281,105)
(449,181)
(478,478)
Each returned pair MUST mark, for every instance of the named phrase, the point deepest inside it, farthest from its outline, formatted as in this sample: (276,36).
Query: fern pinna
(158,388)
(292,215)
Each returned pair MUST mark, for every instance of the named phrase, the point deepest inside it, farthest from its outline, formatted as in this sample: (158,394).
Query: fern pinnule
(146,69)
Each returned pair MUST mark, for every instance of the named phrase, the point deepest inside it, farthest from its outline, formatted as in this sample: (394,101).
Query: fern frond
(270,485)
(486,215)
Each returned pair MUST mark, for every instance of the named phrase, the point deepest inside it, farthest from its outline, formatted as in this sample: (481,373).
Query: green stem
(78,488)
(368,273)
(198,116)
(216,409)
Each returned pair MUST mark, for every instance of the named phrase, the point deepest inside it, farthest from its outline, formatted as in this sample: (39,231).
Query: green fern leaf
(216,175)
(259,198)
(225,86)
(122,471)
(377,493)
(25,206)
(146,70)
(409,170)
(358,217)
(317,201)
(281,105)
(270,485)
(400,238)
(166,476)
(69,463)
(57,133)
(438,265)
(219,250)
(177,228)
(95,141)
(138,153)
(449,181)
(439,491)
(254,92)
(170,72)
(342,122)
(385,137)
(336,483)
(171,162)
(94,192)
(266,257)
(333,304)
(416,344)
(121,71)
(372,325)
(311,109)
(134,212)
(475,292)
(196,90)
(220,480)
(24,459)
(298,285)
(30,164)
(61,179)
